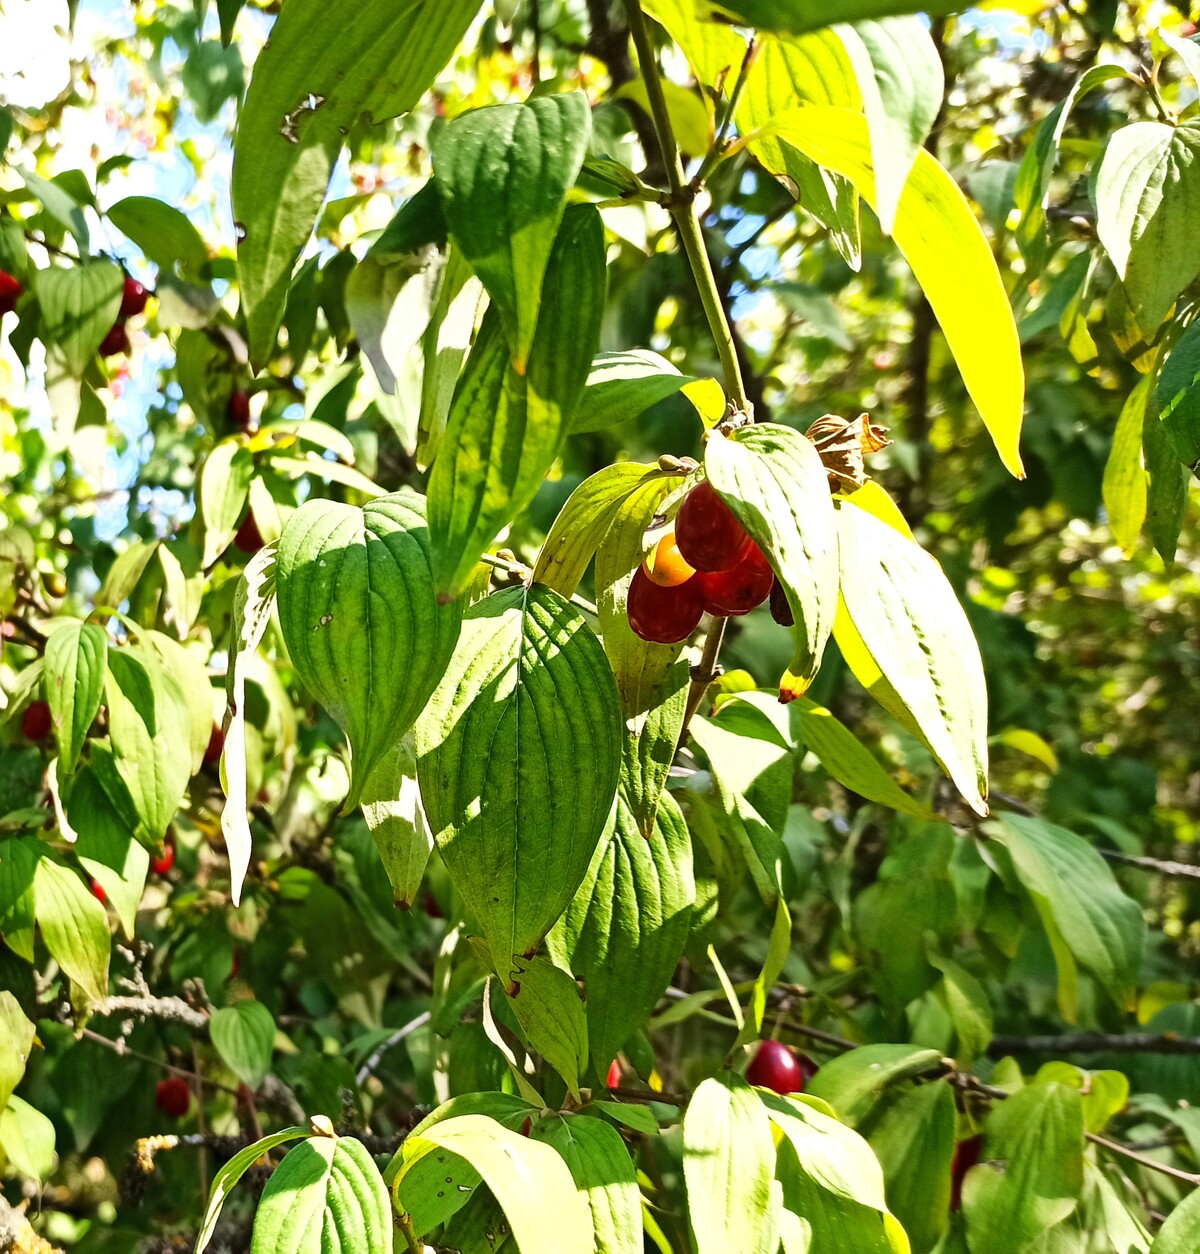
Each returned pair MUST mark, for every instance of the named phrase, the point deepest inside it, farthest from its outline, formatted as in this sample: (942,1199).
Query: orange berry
(665,565)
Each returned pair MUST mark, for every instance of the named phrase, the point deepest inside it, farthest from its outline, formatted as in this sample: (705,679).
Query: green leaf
(1181,1233)
(650,745)
(1147,194)
(391,805)
(913,1139)
(244,1036)
(690,120)
(529,1179)
(546,1001)
(359,611)
(253,604)
(583,523)
(221,497)
(851,763)
(716,51)
(506,226)
(1125,487)
(1177,398)
(794,17)
(507,427)
(231,1172)
(908,642)
(326,1195)
(316,78)
(518,755)
(1076,894)
(106,847)
(604,1174)
(831,1178)
(778,948)
(1037,167)
(60,205)
(625,929)
(188,663)
(900,75)
(620,386)
(76,661)
(78,305)
(74,927)
(728,1166)
(16,1040)
(1167,490)
(163,232)
(26,1139)
(969,1006)
(18,865)
(1036,1137)
(150,731)
(772,478)
(854,1081)
(950,256)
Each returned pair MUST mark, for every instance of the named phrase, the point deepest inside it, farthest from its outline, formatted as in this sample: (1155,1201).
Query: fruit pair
(707,563)
(133,302)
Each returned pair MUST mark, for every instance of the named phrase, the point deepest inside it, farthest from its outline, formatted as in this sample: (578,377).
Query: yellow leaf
(949,255)
(1030,744)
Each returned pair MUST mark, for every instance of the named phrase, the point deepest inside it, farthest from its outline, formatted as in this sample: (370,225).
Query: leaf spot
(291,121)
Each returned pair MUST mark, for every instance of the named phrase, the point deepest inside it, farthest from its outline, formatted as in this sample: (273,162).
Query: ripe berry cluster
(133,302)
(706,564)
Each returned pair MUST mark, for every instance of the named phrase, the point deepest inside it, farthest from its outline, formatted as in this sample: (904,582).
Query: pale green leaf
(76,661)
(729,1166)
(221,497)
(231,1172)
(950,257)
(1124,485)
(715,51)
(391,806)
(772,478)
(78,305)
(969,1006)
(546,1001)
(854,1081)
(620,386)
(26,1140)
(690,121)
(74,927)
(797,16)
(327,1194)
(317,77)
(1147,194)
(1181,1233)
(244,1035)
(358,610)
(106,847)
(518,755)
(908,642)
(16,1040)
(506,226)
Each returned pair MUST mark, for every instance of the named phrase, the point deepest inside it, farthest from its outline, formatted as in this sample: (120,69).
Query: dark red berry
(966,1154)
(216,743)
(239,410)
(526,1126)
(663,615)
(133,299)
(97,891)
(167,861)
(10,291)
(173,1097)
(708,535)
(235,966)
(35,722)
(430,902)
(116,341)
(776,1067)
(740,589)
(613,1079)
(781,610)
(249,538)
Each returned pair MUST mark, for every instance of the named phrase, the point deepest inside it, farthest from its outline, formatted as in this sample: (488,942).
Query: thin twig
(704,673)
(382,1048)
(1094,1043)
(120,1047)
(1115,1147)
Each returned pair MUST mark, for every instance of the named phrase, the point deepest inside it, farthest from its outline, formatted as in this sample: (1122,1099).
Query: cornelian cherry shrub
(598,633)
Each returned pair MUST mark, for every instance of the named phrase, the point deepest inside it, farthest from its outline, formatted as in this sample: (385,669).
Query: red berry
(97,891)
(235,966)
(709,536)
(133,299)
(430,902)
(776,1067)
(739,590)
(167,861)
(966,1154)
(614,1075)
(35,722)
(664,564)
(663,615)
(116,341)
(249,538)
(239,410)
(10,289)
(173,1097)
(216,743)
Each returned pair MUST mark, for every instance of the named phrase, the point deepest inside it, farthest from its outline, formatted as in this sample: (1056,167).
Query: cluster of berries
(133,302)
(707,563)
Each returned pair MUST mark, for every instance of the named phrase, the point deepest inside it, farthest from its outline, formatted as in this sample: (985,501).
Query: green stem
(721,148)
(683,211)
(704,673)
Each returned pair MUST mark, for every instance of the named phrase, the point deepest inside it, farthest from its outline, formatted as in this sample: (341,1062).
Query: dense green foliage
(406,840)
